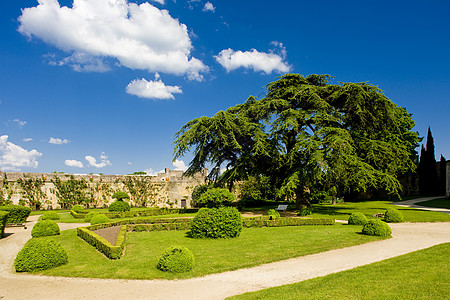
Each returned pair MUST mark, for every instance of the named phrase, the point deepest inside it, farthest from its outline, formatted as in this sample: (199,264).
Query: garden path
(407,237)
(412,203)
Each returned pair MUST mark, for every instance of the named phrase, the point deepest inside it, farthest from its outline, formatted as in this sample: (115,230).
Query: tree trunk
(302,198)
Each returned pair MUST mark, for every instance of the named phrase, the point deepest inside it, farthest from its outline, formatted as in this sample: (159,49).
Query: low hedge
(281,222)
(3,219)
(101,244)
(78,208)
(17,213)
(49,215)
(138,221)
(176,259)
(40,254)
(88,217)
(137,212)
(45,228)
(100,218)
(158,227)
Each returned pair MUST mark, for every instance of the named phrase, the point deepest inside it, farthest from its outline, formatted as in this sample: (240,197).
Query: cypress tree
(442,175)
(428,179)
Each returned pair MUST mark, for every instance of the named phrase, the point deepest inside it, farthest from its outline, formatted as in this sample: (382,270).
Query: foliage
(428,178)
(377,227)
(142,190)
(40,254)
(215,197)
(357,218)
(304,211)
(176,259)
(120,196)
(3,219)
(70,192)
(281,222)
(256,190)
(32,191)
(100,218)
(78,208)
(306,134)
(119,206)
(45,228)
(273,213)
(89,216)
(198,191)
(101,244)
(440,203)
(49,215)
(223,222)
(393,216)
(17,213)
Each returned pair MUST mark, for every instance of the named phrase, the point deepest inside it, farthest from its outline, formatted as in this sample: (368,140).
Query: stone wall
(168,189)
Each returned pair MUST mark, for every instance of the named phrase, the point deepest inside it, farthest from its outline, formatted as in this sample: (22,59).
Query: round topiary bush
(120,196)
(45,228)
(49,215)
(176,259)
(40,254)
(89,216)
(273,213)
(357,218)
(393,216)
(77,208)
(215,197)
(377,227)
(305,211)
(119,206)
(221,222)
(100,218)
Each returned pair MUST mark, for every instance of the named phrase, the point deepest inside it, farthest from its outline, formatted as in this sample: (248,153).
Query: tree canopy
(307,133)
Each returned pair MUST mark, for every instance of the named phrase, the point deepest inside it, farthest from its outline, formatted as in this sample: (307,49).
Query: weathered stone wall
(169,189)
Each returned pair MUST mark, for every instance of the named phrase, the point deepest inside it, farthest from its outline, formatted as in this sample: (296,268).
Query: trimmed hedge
(377,227)
(273,213)
(357,218)
(281,222)
(119,206)
(393,216)
(3,219)
(224,222)
(101,244)
(137,213)
(100,218)
(49,215)
(45,228)
(17,213)
(158,227)
(88,217)
(176,259)
(40,254)
(78,208)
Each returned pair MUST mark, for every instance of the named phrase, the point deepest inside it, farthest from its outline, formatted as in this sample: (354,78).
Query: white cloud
(209,7)
(73,163)
(93,162)
(130,163)
(152,89)
(27,139)
(162,2)
(13,157)
(137,36)
(179,165)
(57,141)
(258,61)
(17,122)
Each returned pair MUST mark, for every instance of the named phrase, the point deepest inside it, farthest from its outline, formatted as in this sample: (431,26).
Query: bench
(281,207)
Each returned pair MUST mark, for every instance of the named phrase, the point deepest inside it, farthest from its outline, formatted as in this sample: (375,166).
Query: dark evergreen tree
(428,179)
(442,175)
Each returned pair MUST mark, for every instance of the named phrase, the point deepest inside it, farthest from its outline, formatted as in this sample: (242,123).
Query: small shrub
(393,216)
(305,211)
(100,218)
(89,216)
(215,197)
(357,218)
(78,208)
(176,259)
(273,213)
(17,213)
(120,196)
(40,254)
(45,228)
(377,227)
(119,206)
(3,219)
(221,222)
(49,215)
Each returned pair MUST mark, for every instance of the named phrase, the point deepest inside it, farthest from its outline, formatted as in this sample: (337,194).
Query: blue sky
(102,86)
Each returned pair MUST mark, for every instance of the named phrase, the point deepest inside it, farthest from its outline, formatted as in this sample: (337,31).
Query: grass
(255,246)
(439,203)
(422,274)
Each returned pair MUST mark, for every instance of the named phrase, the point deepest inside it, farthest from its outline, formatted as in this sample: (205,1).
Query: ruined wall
(169,189)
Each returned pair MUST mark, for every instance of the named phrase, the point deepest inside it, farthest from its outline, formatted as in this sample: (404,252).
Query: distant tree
(428,179)
(120,196)
(442,175)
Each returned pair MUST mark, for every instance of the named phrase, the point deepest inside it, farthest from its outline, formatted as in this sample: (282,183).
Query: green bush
(45,228)
(215,197)
(120,196)
(119,205)
(100,218)
(89,216)
(305,211)
(377,227)
(17,213)
(393,216)
(198,191)
(78,208)
(101,244)
(273,213)
(357,218)
(3,219)
(49,215)
(40,254)
(281,222)
(221,222)
(176,259)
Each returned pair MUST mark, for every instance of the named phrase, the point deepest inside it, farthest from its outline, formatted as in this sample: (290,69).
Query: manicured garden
(439,203)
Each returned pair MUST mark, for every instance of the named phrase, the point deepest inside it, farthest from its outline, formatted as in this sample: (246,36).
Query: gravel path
(407,237)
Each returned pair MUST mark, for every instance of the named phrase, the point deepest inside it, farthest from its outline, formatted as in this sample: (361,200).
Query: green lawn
(439,203)
(423,274)
(255,246)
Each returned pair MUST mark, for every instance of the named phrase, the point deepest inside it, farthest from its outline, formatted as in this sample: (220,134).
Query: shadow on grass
(332,210)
